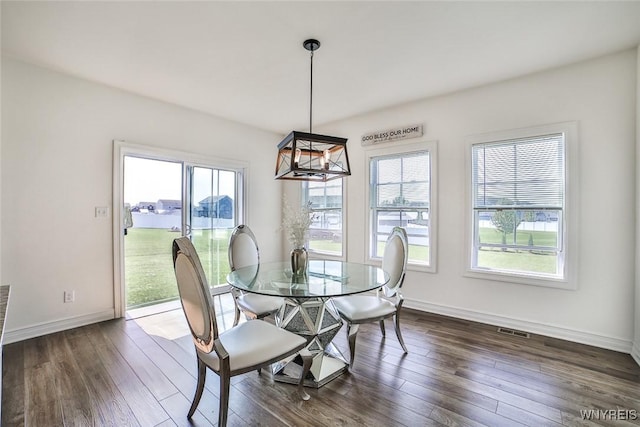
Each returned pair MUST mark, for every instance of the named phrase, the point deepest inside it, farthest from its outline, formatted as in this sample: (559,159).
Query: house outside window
(326,232)
(519,204)
(402,194)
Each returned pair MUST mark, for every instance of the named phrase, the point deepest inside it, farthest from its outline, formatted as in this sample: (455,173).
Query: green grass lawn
(417,253)
(148,264)
(325,245)
(540,238)
(521,259)
(524,261)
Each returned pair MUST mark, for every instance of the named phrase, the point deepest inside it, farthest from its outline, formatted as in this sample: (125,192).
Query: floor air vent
(513,332)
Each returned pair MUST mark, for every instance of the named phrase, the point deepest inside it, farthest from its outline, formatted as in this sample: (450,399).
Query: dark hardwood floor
(142,373)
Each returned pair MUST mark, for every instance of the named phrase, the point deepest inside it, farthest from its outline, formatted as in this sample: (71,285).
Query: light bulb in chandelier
(296,160)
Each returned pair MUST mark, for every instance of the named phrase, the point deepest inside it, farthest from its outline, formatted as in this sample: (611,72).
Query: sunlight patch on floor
(171,323)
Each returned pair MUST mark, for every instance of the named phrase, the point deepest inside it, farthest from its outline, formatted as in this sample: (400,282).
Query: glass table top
(324,279)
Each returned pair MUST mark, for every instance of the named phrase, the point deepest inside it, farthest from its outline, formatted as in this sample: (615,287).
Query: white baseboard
(45,328)
(635,352)
(573,335)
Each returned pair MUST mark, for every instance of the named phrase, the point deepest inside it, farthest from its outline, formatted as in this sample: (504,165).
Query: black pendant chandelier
(308,156)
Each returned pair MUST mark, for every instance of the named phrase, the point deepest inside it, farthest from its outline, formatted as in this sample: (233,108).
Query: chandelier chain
(311,96)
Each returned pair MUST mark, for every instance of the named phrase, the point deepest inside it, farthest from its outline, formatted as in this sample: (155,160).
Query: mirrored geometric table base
(318,321)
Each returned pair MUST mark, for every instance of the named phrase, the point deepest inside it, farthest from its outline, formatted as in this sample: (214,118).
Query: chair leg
(384,334)
(236,317)
(307,359)
(235,294)
(202,376)
(352,331)
(224,399)
(396,319)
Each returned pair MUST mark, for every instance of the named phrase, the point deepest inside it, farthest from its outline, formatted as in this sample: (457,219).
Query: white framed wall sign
(397,133)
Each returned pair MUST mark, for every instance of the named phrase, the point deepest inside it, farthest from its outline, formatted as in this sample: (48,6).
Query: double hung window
(401,190)
(519,206)
(325,201)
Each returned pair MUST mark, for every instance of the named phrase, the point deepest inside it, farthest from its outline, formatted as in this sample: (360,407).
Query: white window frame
(569,263)
(329,255)
(121,149)
(399,150)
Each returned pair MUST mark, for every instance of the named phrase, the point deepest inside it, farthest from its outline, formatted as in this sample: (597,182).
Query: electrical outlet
(69,296)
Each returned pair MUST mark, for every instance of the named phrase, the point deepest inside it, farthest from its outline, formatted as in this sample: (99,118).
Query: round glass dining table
(308,310)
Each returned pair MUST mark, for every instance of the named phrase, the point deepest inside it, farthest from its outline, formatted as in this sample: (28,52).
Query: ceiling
(244,61)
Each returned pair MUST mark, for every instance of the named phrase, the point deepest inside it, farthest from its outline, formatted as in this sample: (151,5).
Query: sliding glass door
(213,209)
(164,197)
(153,214)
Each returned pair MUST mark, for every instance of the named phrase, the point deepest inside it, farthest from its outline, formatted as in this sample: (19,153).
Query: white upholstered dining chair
(243,251)
(387,302)
(243,348)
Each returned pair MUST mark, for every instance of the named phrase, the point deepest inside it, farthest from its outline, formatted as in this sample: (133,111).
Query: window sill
(421,268)
(547,282)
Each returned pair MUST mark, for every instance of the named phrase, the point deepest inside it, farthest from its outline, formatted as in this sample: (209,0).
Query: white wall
(1,283)
(57,134)
(601,96)
(636,342)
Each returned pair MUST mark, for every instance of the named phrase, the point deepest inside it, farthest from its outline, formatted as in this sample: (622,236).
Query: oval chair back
(244,252)
(243,248)
(394,260)
(194,294)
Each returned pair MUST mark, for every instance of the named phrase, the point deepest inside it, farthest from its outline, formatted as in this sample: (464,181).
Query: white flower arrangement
(296,223)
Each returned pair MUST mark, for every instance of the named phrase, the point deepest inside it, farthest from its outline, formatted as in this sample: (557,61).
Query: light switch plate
(102,211)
